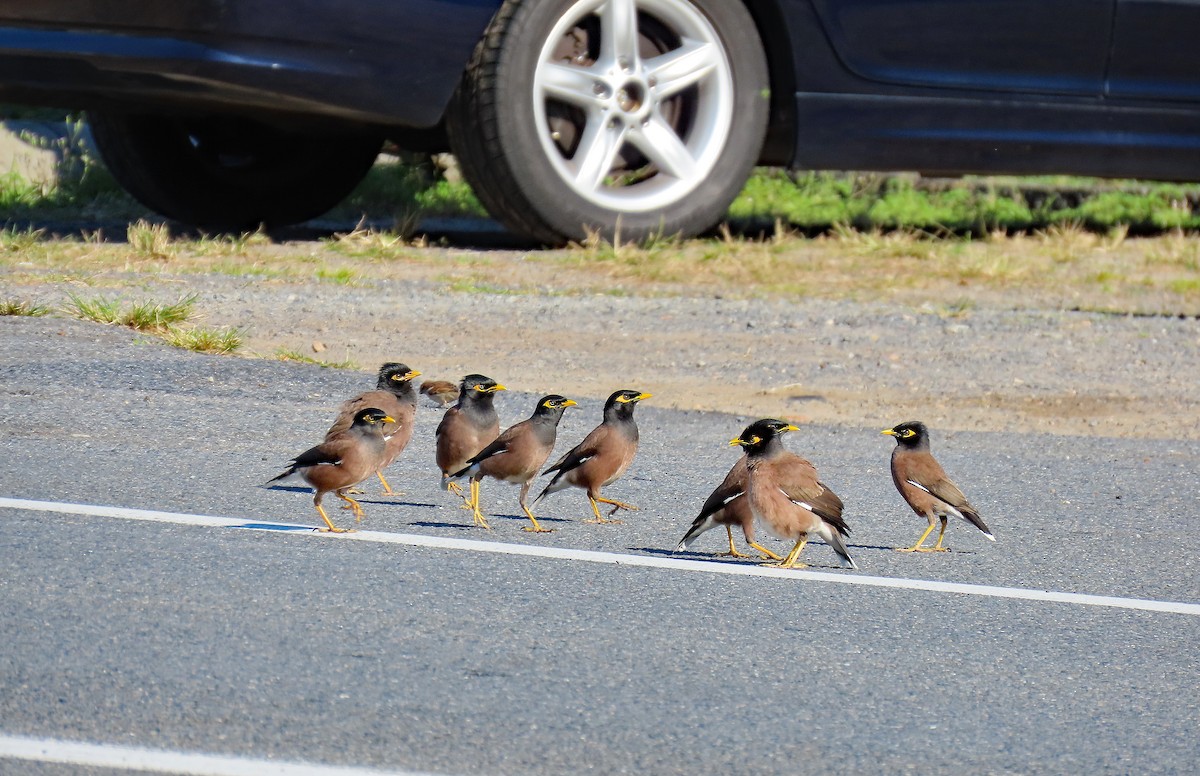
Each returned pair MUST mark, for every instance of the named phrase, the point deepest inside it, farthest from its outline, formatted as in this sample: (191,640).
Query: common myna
(727,506)
(440,392)
(602,456)
(516,455)
(344,459)
(923,483)
(467,427)
(785,494)
(394,394)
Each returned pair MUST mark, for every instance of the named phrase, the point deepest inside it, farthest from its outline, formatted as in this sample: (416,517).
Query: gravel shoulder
(997,366)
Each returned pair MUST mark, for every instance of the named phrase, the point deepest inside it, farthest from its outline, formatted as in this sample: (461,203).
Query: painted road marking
(49,750)
(612,558)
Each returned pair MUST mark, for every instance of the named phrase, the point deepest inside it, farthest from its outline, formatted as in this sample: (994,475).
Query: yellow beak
(888,431)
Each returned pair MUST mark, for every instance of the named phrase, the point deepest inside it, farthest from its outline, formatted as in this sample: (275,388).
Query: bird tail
(288,472)
(554,486)
(462,473)
(832,534)
(971,516)
(699,526)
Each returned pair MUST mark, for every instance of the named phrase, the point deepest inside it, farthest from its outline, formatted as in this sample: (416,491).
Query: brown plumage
(344,459)
(467,427)
(394,394)
(602,457)
(440,392)
(727,506)
(785,494)
(923,483)
(516,455)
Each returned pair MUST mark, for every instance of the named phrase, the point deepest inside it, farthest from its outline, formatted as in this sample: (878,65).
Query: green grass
(150,241)
(222,340)
(20,307)
(154,317)
(287,354)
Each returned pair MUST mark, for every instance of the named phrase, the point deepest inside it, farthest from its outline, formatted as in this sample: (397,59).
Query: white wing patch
(916,484)
(794,501)
(731,498)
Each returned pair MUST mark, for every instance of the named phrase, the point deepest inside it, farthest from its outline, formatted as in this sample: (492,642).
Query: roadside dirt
(999,365)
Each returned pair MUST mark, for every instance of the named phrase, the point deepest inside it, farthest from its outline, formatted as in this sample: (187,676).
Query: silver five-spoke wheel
(630,118)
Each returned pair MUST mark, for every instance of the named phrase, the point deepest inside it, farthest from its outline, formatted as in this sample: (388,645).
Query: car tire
(626,118)
(229,173)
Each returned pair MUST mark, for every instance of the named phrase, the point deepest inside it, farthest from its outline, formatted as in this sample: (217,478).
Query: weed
(141,316)
(23,308)
(221,340)
(286,354)
(342,276)
(150,241)
(20,240)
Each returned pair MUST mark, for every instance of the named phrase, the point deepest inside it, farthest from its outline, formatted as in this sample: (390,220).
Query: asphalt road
(286,646)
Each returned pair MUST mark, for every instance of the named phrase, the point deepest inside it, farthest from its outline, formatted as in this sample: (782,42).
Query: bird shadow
(288,488)
(395,502)
(523,518)
(435,524)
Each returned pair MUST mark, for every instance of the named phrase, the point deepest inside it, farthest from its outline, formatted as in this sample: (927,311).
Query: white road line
(49,750)
(612,558)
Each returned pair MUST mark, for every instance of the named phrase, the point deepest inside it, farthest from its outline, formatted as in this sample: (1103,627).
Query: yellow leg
(733,553)
(480,520)
(616,505)
(790,561)
(917,547)
(387,488)
(766,553)
(352,505)
(536,528)
(332,528)
(596,510)
(938,547)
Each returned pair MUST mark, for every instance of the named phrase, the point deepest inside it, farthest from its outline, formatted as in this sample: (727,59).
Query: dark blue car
(630,117)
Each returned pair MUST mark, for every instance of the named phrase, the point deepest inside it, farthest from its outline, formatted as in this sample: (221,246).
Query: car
(624,118)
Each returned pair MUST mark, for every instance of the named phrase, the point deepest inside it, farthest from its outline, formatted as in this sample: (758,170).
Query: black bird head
(552,407)
(620,405)
(479,385)
(760,434)
(910,434)
(396,378)
(371,418)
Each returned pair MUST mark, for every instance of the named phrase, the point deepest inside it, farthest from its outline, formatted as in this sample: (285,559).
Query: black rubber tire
(226,173)
(494,136)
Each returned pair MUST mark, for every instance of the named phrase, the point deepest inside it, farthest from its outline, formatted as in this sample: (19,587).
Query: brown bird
(516,455)
(785,494)
(923,483)
(727,506)
(344,459)
(602,457)
(393,394)
(440,392)
(467,427)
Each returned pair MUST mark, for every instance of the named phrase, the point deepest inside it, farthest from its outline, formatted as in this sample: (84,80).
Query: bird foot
(922,549)
(735,554)
(539,529)
(327,529)
(778,564)
(480,522)
(604,520)
(393,493)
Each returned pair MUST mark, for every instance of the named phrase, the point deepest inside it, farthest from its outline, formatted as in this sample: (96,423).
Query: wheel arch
(773,30)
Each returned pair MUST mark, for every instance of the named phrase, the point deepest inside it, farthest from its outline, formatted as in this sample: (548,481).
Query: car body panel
(393,63)
(1099,87)
(1035,46)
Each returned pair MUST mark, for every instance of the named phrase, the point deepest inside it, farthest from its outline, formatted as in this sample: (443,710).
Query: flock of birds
(768,486)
